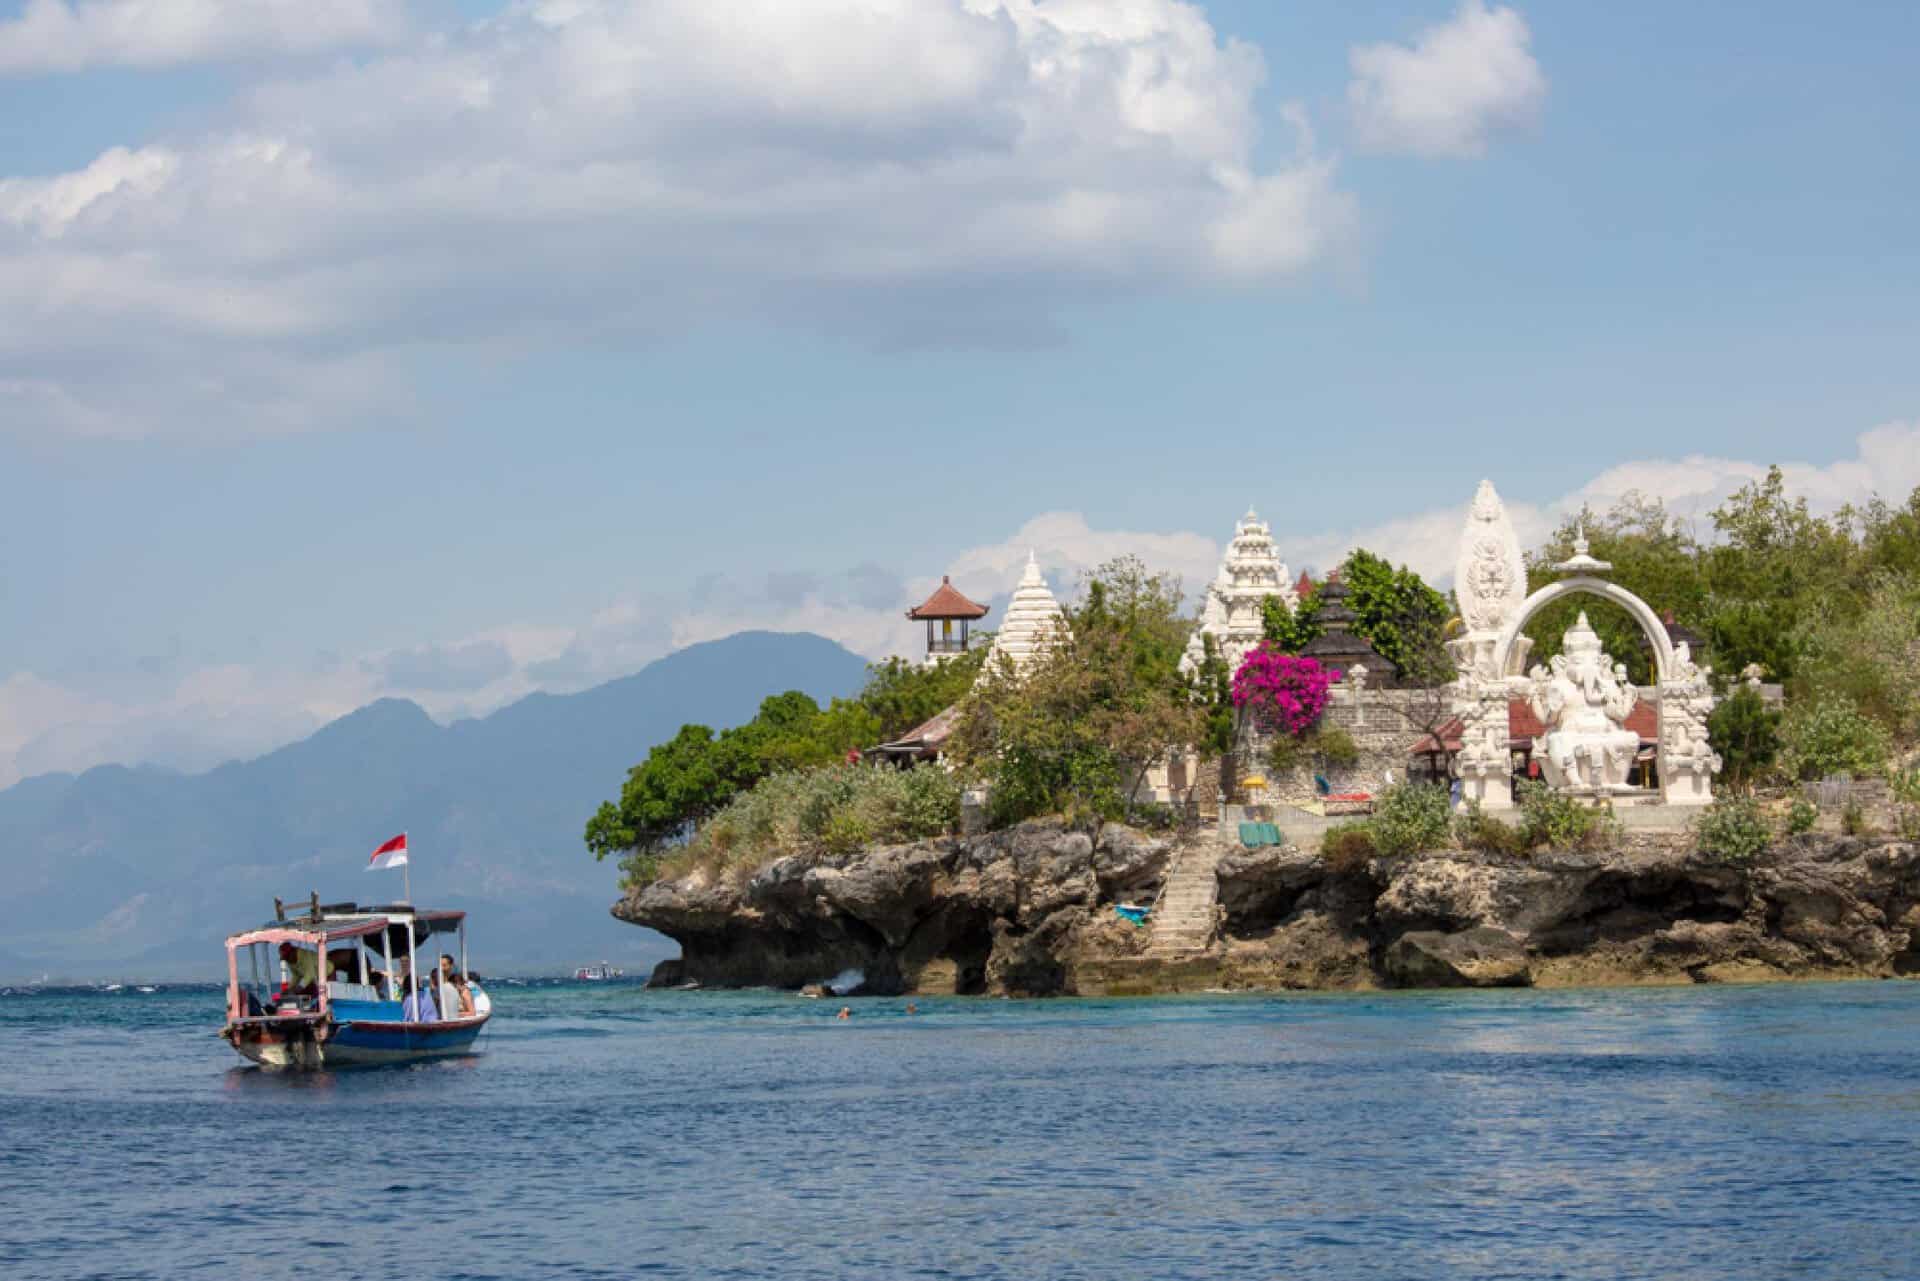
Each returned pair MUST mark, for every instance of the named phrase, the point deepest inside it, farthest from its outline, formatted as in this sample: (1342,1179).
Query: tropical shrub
(1746,733)
(1410,817)
(1284,693)
(1475,829)
(1829,736)
(834,809)
(1346,846)
(1801,817)
(1906,821)
(1560,822)
(1732,829)
(1324,745)
(1854,820)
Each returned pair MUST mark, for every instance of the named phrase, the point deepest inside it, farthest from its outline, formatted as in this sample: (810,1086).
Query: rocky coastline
(1030,912)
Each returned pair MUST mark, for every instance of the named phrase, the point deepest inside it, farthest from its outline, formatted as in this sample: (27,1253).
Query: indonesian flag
(392,854)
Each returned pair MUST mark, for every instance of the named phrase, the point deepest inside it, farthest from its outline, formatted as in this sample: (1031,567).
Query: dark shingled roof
(947,603)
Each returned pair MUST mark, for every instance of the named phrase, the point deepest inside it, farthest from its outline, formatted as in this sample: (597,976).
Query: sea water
(606,1131)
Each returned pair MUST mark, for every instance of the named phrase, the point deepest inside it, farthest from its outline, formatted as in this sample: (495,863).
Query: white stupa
(1030,622)
(1250,572)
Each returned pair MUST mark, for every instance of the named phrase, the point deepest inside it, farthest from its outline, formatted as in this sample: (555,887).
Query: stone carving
(1489,577)
(1584,702)
(1250,572)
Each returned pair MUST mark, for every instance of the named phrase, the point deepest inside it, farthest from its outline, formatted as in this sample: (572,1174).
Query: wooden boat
(330,987)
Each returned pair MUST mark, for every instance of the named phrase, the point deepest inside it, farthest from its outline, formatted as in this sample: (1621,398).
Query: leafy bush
(1478,830)
(1731,829)
(1801,816)
(1560,822)
(834,809)
(1854,821)
(1905,784)
(1410,817)
(1346,846)
(1336,747)
(1906,820)
(1746,733)
(1830,736)
(1327,745)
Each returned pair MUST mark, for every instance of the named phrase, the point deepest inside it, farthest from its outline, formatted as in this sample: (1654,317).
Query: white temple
(1250,572)
(1030,621)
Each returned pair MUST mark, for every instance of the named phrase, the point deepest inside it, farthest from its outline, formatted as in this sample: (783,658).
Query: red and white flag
(392,854)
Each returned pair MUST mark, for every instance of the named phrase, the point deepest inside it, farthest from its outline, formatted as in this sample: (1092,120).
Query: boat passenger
(456,995)
(419,1006)
(303,969)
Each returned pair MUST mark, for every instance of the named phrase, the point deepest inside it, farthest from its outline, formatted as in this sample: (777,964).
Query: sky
(454,350)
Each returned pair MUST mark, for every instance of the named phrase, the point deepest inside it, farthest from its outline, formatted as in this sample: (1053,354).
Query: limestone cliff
(1029,911)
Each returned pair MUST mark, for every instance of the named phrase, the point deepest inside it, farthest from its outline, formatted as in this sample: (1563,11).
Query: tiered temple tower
(1032,617)
(1250,572)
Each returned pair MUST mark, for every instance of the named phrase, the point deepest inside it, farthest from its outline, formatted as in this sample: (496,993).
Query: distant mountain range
(142,872)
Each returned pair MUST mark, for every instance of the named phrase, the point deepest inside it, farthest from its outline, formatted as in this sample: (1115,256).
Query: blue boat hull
(313,1042)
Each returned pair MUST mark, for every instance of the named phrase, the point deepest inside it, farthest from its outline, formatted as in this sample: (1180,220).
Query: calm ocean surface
(611,1132)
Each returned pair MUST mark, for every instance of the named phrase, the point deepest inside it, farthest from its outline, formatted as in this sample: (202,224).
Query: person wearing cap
(302,969)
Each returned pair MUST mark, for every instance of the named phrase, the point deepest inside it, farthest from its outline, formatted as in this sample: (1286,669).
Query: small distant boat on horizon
(335,987)
(598,973)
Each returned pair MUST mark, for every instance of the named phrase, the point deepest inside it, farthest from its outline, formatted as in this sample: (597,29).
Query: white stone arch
(1664,665)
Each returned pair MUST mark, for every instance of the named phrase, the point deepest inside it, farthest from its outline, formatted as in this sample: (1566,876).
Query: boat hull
(311,1043)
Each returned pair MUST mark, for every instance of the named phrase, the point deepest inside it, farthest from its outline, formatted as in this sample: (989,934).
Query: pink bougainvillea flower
(1282,691)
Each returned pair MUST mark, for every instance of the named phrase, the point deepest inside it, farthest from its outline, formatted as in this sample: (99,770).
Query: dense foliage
(1827,736)
(1553,820)
(1732,829)
(694,774)
(1393,608)
(1076,731)
(831,809)
(1346,847)
(1746,734)
(1411,817)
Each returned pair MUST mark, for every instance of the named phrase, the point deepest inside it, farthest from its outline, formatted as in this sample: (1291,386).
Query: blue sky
(456,350)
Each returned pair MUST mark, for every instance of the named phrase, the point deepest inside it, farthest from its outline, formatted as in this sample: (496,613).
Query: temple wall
(1381,726)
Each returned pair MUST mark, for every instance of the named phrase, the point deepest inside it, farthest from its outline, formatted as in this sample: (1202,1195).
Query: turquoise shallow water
(611,1132)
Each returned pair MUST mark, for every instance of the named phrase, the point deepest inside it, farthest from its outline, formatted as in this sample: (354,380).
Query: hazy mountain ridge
(119,868)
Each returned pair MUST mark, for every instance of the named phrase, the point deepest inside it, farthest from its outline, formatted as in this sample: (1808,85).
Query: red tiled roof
(1303,586)
(947,603)
(1523,727)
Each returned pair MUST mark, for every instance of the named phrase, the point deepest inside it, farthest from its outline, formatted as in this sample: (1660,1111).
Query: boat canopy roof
(352,923)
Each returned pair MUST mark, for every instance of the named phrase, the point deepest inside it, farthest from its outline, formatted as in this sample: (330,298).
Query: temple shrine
(942,610)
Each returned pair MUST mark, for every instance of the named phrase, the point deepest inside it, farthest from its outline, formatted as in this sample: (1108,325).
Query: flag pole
(406,872)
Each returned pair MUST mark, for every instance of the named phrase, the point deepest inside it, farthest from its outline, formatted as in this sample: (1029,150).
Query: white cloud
(913,171)
(1460,83)
(212,714)
(72,35)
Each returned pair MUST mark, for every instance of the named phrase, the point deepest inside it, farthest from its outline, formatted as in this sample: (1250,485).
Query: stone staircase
(1183,920)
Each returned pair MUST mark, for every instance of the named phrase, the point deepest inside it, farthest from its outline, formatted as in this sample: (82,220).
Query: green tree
(1653,556)
(1291,629)
(1397,612)
(1076,731)
(1746,734)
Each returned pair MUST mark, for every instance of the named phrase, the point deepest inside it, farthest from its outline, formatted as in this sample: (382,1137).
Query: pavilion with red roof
(946,607)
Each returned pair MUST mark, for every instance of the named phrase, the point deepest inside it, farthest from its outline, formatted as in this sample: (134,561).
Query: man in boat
(303,970)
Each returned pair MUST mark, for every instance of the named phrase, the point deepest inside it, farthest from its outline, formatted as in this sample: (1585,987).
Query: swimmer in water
(846,1012)
(912,1008)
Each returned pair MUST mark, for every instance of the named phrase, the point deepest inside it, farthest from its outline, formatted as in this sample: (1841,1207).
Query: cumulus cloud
(1453,89)
(916,171)
(72,35)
